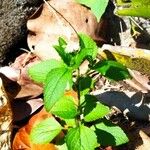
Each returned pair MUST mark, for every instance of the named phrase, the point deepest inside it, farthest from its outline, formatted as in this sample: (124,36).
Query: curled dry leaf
(139,81)
(11,73)
(12,88)
(20,88)
(29,91)
(48,23)
(23,62)
(22,109)
(21,139)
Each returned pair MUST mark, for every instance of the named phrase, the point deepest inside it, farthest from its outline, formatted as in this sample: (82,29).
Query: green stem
(78,120)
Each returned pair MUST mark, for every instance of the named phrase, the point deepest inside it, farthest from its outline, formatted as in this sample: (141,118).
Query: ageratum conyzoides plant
(82,120)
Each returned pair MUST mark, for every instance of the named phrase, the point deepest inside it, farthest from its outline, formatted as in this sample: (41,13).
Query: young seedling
(81,119)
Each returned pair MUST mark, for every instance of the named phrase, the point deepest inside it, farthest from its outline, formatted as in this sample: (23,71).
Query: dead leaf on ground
(10,72)
(21,139)
(133,58)
(23,62)
(23,109)
(46,25)
(12,88)
(139,82)
(17,76)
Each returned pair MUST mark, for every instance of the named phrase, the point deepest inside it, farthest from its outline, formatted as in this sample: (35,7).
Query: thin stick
(121,29)
(133,20)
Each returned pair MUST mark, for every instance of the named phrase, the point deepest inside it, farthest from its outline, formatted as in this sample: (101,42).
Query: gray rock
(13,17)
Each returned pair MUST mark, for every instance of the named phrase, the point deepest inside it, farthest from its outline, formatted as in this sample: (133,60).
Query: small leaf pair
(61,49)
(88,49)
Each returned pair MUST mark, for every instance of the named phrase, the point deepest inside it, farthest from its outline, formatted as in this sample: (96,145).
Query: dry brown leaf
(21,139)
(23,109)
(20,89)
(28,87)
(29,91)
(46,25)
(10,72)
(139,81)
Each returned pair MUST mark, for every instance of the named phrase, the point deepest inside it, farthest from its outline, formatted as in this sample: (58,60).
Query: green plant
(87,127)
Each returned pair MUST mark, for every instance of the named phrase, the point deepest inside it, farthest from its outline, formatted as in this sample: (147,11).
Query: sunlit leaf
(88,50)
(45,131)
(39,71)
(55,85)
(93,109)
(61,49)
(81,138)
(65,108)
(109,134)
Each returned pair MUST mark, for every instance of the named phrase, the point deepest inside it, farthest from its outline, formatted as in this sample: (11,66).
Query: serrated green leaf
(88,49)
(65,108)
(112,70)
(93,109)
(45,131)
(65,56)
(55,85)
(109,134)
(81,138)
(97,6)
(39,71)
(81,56)
(87,42)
